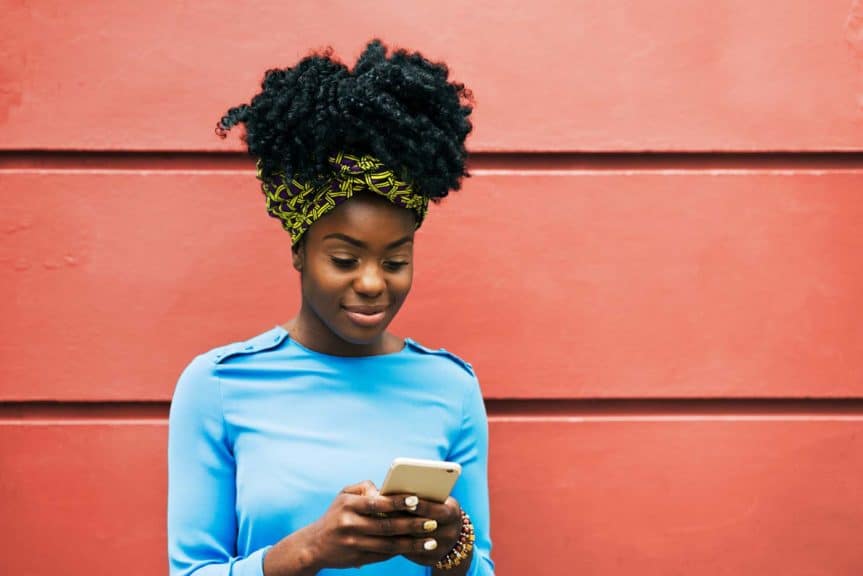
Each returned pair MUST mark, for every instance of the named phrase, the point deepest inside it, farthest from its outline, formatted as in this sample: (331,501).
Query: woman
(275,442)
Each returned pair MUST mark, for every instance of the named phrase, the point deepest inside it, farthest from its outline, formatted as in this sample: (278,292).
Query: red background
(655,269)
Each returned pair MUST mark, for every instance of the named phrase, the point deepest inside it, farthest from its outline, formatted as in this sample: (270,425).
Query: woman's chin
(362,337)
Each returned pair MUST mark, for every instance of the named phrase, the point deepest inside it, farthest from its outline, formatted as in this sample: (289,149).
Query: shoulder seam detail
(464,364)
(250,346)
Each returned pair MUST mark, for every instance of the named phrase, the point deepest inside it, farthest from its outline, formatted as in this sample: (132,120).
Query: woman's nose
(370,281)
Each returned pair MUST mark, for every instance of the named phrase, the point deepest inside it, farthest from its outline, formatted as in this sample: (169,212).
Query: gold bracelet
(463,547)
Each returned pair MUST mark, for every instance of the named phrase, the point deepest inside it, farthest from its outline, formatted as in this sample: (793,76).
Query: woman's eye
(394,265)
(343,262)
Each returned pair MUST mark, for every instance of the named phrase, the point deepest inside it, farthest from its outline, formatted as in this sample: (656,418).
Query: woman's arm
(202,525)
(471,491)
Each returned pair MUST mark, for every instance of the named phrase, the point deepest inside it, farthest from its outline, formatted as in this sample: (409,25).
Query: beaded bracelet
(462,549)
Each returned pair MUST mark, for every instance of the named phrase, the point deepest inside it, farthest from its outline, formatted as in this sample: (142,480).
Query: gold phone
(428,479)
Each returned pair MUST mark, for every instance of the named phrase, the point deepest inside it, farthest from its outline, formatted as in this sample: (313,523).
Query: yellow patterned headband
(300,204)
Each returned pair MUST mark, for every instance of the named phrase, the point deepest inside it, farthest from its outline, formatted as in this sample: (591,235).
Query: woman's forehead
(369,219)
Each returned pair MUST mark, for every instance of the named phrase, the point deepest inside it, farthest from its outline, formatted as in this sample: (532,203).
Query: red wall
(669,336)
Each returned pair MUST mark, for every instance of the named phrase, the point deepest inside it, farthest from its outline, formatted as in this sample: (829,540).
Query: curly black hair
(399,107)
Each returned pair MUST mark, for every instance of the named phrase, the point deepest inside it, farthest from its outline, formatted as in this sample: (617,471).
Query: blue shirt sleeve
(202,523)
(471,451)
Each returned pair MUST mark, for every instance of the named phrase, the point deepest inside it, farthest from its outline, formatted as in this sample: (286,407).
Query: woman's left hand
(448,519)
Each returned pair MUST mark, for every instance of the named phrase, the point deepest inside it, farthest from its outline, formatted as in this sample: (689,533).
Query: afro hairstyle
(398,107)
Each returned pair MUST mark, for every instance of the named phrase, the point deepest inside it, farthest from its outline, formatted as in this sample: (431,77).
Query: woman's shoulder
(442,357)
(204,370)
(208,361)
(268,340)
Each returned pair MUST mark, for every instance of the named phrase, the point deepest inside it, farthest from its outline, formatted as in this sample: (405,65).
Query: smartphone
(428,479)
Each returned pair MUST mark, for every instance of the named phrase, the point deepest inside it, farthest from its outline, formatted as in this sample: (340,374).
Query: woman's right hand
(360,527)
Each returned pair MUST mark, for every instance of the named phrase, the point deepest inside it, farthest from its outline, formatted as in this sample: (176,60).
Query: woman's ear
(298,255)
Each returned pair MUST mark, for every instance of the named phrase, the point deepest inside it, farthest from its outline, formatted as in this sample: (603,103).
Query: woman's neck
(309,331)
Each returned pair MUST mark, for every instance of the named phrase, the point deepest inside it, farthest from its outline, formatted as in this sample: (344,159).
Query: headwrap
(300,204)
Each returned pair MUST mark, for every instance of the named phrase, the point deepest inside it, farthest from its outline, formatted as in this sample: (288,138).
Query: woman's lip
(365,320)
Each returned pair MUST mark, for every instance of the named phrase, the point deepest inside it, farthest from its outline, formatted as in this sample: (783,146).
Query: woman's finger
(361,488)
(392,545)
(373,505)
(447,513)
(397,525)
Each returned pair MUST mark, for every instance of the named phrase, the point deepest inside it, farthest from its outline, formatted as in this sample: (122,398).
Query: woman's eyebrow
(399,242)
(361,244)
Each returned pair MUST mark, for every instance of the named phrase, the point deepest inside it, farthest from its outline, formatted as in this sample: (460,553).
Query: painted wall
(655,269)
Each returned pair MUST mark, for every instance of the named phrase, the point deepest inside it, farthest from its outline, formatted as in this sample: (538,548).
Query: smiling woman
(274,441)
(356,267)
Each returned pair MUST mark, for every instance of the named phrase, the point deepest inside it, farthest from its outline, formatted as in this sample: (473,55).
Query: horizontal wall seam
(511,410)
(48,160)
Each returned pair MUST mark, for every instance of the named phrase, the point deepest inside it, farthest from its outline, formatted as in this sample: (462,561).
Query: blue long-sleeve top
(265,433)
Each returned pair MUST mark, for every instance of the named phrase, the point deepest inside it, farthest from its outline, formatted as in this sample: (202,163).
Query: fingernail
(430,525)
(430,544)
(412,501)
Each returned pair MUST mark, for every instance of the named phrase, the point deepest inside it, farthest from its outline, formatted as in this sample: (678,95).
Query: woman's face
(356,267)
